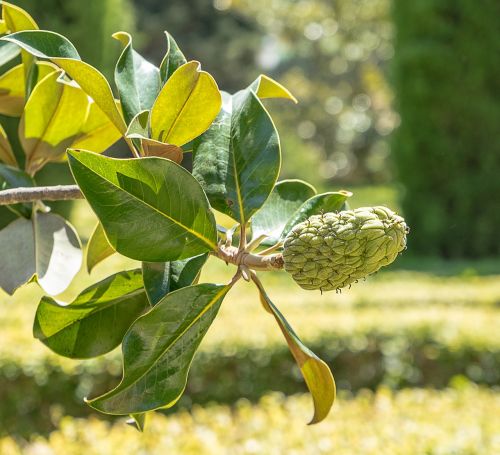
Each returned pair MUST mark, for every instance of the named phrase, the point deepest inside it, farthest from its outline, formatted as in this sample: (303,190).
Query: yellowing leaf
(59,50)
(12,88)
(6,153)
(265,87)
(138,131)
(17,19)
(98,132)
(156,148)
(316,373)
(98,248)
(3,27)
(52,118)
(186,106)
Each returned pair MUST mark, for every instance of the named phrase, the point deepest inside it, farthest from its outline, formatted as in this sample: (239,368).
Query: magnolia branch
(40,193)
(232,255)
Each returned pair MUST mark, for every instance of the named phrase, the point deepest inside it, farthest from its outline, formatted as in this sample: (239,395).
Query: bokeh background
(399,102)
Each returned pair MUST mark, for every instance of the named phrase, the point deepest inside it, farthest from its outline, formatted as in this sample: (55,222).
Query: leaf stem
(232,255)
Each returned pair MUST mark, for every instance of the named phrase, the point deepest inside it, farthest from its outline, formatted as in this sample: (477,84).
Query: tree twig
(40,193)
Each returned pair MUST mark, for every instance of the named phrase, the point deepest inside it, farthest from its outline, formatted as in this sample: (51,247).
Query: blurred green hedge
(226,373)
(447,149)
(459,420)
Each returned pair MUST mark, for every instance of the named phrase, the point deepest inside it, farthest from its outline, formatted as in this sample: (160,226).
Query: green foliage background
(447,150)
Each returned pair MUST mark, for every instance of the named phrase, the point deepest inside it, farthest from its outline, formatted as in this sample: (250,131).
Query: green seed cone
(333,250)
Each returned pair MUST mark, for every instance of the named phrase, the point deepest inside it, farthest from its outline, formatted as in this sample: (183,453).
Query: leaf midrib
(213,246)
(174,124)
(105,306)
(212,302)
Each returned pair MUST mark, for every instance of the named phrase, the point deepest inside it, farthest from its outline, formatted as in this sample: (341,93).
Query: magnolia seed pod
(332,250)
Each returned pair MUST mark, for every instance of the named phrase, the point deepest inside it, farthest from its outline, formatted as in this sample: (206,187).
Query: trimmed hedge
(29,394)
(447,149)
(462,420)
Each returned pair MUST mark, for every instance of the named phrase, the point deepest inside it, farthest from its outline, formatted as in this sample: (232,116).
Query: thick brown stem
(40,193)
(232,255)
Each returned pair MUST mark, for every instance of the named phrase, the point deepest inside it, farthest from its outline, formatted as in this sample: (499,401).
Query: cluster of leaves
(150,207)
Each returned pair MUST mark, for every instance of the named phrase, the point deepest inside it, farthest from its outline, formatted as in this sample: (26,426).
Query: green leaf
(186,106)
(138,421)
(58,49)
(12,177)
(96,321)
(237,161)
(284,201)
(316,373)
(160,278)
(158,350)
(45,248)
(98,133)
(321,203)
(98,248)
(13,87)
(173,59)
(53,117)
(137,80)
(150,208)
(265,87)
(6,153)
(8,51)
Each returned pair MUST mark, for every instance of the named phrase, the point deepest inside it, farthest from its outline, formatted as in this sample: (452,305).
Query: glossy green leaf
(150,208)
(265,87)
(159,348)
(53,117)
(98,248)
(98,133)
(8,51)
(237,161)
(12,87)
(321,203)
(137,80)
(173,59)
(12,177)
(96,321)
(186,106)
(316,373)
(160,278)
(59,50)
(6,154)
(285,199)
(45,248)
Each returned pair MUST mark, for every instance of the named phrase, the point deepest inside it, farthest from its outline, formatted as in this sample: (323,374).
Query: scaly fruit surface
(333,250)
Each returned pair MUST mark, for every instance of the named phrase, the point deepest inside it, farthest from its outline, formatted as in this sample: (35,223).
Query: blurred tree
(331,55)
(88,24)
(447,150)
(224,43)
